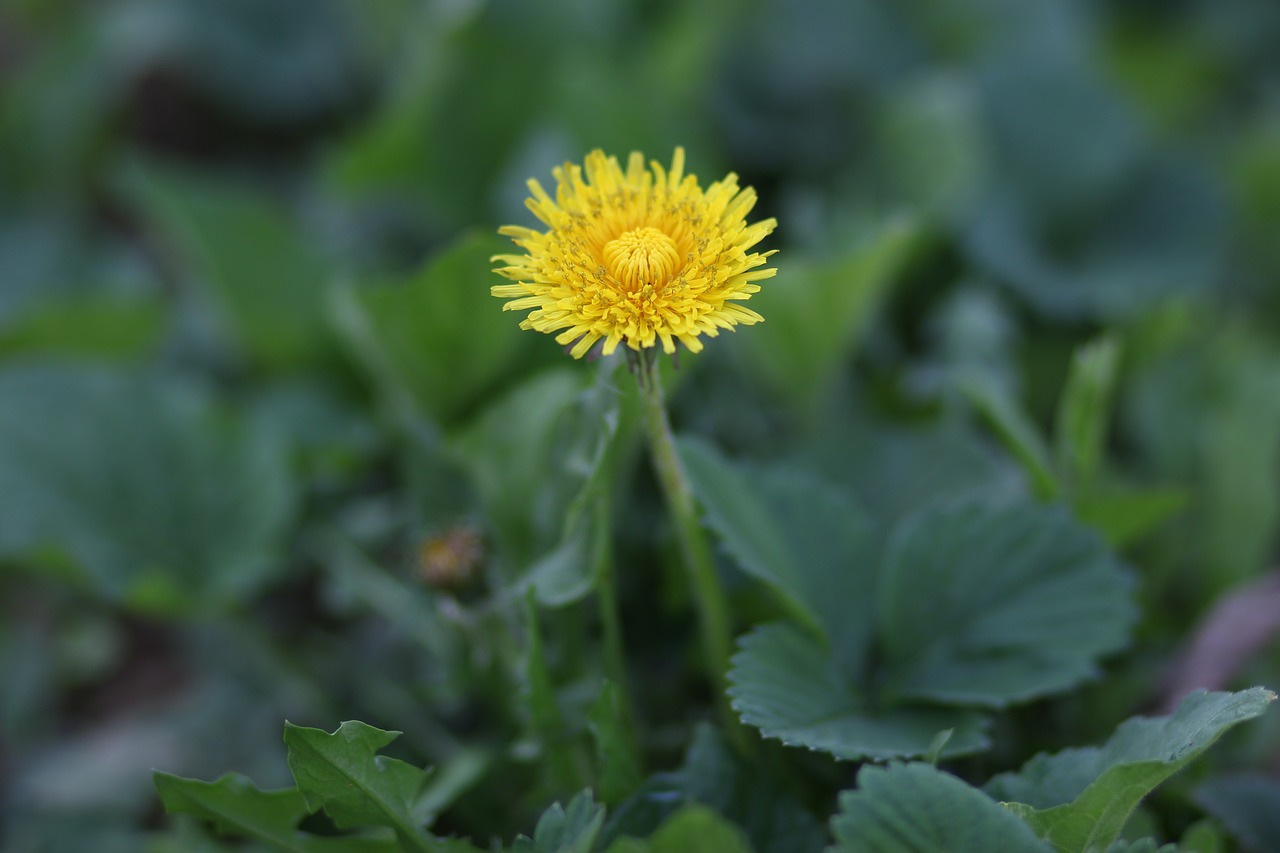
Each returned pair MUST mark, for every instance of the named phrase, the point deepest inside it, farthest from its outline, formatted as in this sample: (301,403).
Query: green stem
(713,609)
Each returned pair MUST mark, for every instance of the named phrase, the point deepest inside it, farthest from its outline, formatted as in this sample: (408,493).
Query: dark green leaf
(991,606)
(787,685)
(1081,798)
(748,794)
(804,538)
(916,808)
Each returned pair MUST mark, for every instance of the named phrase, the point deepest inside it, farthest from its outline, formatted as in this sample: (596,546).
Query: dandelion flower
(635,256)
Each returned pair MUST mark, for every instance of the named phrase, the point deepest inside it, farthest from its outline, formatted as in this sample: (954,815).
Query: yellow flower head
(635,256)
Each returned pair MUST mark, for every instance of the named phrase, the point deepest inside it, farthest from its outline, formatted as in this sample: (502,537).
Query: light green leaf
(1125,515)
(617,756)
(1084,410)
(698,828)
(505,452)
(1081,798)
(238,808)
(1017,432)
(436,343)
(546,721)
(988,606)
(343,774)
(816,311)
(103,327)
(804,538)
(787,685)
(912,808)
(161,500)
(449,781)
(545,518)
(265,274)
(1249,806)
(1203,836)
(1142,845)
(561,830)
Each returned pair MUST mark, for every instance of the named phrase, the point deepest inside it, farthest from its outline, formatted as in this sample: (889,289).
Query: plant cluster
(946,527)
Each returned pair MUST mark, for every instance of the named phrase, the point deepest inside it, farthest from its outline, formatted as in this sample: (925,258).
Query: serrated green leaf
(236,805)
(162,501)
(617,756)
(266,275)
(561,830)
(1085,409)
(804,538)
(436,343)
(238,808)
(1017,432)
(1081,798)
(787,685)
(912,808)
(989,606)
(1249,806)
(343,774)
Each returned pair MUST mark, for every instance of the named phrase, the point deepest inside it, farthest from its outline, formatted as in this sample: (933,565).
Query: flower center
(641,256)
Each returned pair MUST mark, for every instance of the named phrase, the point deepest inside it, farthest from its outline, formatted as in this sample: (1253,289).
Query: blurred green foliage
(252,380)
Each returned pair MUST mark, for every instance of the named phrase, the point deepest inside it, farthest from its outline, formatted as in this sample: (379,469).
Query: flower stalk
(709,597)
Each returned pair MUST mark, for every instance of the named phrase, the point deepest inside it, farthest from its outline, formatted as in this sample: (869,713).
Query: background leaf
(433,341)
(1249,806)
(262,272)
(1084,410)
(162,502)
(817,310)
